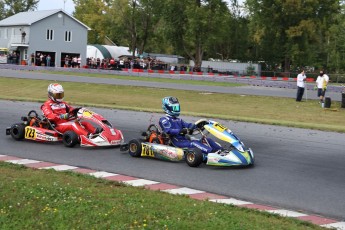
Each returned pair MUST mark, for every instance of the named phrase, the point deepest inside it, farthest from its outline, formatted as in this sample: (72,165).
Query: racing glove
(184,131)
(64,116)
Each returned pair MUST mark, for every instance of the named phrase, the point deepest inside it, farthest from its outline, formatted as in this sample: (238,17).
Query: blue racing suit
(173,126)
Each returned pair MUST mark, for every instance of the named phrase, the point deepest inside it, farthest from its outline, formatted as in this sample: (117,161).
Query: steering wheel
(74,112)
(200,124)
(153,128)
(33,114)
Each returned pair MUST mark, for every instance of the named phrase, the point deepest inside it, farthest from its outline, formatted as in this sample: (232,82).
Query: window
(68,36)
(25,56)
(50,35)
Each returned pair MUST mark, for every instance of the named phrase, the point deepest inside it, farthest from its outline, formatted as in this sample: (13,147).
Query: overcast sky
(68,5)
(56,4)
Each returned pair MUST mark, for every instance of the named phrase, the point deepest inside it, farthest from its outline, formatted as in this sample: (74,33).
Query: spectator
(300,85)
(321,84)
(79,61)
(66,61)
(48,60)
(32,59)
(23,36)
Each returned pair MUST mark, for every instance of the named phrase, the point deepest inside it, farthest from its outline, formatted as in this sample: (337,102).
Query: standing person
(23,36)
(66,61)
(48,60)
(300,85)
(321,84)
(32,59)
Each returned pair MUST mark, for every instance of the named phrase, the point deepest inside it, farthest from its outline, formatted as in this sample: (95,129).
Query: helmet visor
(58,95)
(175,108)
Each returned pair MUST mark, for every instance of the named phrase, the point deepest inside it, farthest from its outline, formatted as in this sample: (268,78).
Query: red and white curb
(173,189)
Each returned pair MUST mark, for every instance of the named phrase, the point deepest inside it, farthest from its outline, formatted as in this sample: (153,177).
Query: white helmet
(56,92)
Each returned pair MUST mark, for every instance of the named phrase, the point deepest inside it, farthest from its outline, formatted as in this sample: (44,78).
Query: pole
(306,92)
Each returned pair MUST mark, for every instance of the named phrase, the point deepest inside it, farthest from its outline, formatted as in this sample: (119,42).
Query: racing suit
(52,111)
(173,126)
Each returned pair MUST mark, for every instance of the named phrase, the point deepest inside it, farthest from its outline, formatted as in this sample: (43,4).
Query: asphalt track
(295,168)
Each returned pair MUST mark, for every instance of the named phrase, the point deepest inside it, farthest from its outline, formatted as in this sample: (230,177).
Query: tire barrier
(328,102)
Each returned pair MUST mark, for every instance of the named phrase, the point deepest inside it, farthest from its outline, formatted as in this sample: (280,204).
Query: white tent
(93,52)
(117,51)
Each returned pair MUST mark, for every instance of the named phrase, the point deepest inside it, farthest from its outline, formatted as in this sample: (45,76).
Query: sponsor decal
(113,132)
(116,142)
(58,106)
(167,153)
(196,144)
(219,127)
(166,123)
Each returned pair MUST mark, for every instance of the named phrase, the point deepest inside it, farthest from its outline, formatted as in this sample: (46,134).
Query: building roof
(30,17)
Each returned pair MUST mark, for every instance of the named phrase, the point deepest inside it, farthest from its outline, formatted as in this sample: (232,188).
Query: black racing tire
(194,157)
(135,148)
(18,131)
(70,139)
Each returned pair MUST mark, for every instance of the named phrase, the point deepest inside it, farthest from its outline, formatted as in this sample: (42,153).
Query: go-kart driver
(58,112)
(178,128)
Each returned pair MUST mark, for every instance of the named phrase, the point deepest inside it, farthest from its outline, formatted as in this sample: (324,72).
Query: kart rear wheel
(134,148)
(70,139)
(194,157)
(17,131)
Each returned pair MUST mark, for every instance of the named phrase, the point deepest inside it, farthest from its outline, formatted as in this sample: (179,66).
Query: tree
(126,22)
(12,7)
(290,31)
(93,13)
(136,20)
(191,25)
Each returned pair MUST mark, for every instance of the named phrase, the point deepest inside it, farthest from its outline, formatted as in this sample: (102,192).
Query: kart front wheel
(194,157)
(17,131)
(70,139)
(134,148)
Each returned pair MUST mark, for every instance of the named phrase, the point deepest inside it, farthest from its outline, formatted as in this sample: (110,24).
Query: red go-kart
(40,129)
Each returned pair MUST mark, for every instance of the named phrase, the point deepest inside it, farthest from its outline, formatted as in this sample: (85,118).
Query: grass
(148,79)
(259,109)
(46,199)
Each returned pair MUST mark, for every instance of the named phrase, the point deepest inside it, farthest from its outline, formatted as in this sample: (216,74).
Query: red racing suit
(52,111)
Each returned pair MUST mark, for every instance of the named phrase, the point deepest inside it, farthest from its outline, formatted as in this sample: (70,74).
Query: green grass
(46,199)
(259,109)
(148,79)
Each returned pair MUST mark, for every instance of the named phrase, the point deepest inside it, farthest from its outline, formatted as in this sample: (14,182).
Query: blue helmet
(171,106)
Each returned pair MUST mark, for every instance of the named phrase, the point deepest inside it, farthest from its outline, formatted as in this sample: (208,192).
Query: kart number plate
(219,127)
(147,151)
(30,133)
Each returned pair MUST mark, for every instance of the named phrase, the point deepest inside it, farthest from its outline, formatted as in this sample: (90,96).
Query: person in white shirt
(321,84)
(300,85)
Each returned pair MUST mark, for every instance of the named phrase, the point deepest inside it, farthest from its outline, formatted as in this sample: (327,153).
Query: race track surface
(296,169)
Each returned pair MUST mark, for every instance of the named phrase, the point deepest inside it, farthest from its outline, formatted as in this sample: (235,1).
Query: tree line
(283,34)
